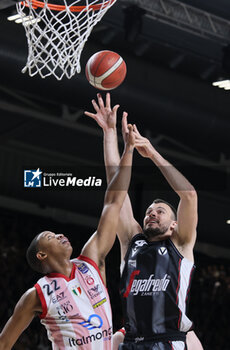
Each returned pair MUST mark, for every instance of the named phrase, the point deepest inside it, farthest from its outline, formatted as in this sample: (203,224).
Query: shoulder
(136,243)
(77,260)
(185,250)
(30,300)
(138,239)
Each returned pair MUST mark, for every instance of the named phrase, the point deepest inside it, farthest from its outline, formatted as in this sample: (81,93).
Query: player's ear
(41,255)
(173,225)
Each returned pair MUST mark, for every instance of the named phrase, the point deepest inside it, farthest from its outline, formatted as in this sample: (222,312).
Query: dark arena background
(174,51)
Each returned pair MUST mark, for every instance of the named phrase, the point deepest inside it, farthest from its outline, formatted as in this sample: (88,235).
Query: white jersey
(76,310)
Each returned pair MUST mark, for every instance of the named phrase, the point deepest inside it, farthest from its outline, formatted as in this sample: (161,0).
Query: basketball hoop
(57,31)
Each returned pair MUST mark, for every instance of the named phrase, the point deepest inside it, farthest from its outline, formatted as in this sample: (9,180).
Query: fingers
(125,115)
(124,122)
(115,108)
(136,130)
(141,143)
(130,127)
(108,100)
(91,115)
(130,135)
(95,106)
(131,130)
(100,101)
(139,140)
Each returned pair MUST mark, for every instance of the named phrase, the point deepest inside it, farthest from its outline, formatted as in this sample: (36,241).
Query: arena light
(27,19)
(222,84)
(228,222)
(13,17)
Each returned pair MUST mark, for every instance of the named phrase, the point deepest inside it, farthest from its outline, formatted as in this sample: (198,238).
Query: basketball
(105,70)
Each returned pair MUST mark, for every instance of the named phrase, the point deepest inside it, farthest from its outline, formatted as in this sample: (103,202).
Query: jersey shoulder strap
(138,237)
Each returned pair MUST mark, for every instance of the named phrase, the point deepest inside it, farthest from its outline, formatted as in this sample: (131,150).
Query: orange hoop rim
(54,7)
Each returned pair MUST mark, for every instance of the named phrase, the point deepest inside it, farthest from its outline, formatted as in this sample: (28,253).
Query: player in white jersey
(71,299)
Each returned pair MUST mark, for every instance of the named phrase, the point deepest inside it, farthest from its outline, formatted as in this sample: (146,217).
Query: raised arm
(184,235)
(106,118)
(103,239)
(25,310)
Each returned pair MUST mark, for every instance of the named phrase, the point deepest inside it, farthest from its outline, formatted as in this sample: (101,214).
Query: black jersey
(155,287)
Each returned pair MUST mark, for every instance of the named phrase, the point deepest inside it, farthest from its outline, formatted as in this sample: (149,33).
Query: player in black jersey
(157,262)
(193,343)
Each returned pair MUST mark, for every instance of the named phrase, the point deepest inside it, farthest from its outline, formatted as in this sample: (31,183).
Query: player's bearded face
(151,232)
(158,220)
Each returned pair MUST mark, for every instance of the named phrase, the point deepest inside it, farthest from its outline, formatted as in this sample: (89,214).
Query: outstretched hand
(142,144)
(124,124)
(105,116)
(129,136)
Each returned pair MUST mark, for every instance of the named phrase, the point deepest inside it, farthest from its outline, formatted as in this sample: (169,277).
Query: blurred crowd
(210,294)
(210,303)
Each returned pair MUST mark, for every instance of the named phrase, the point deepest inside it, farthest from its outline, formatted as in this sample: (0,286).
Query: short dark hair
(158,200)
(31,255)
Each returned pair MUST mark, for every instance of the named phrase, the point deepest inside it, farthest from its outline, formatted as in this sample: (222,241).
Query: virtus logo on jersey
(149,286)
(162,251)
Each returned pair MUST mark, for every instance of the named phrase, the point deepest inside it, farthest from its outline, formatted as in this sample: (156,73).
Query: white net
(57,38)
